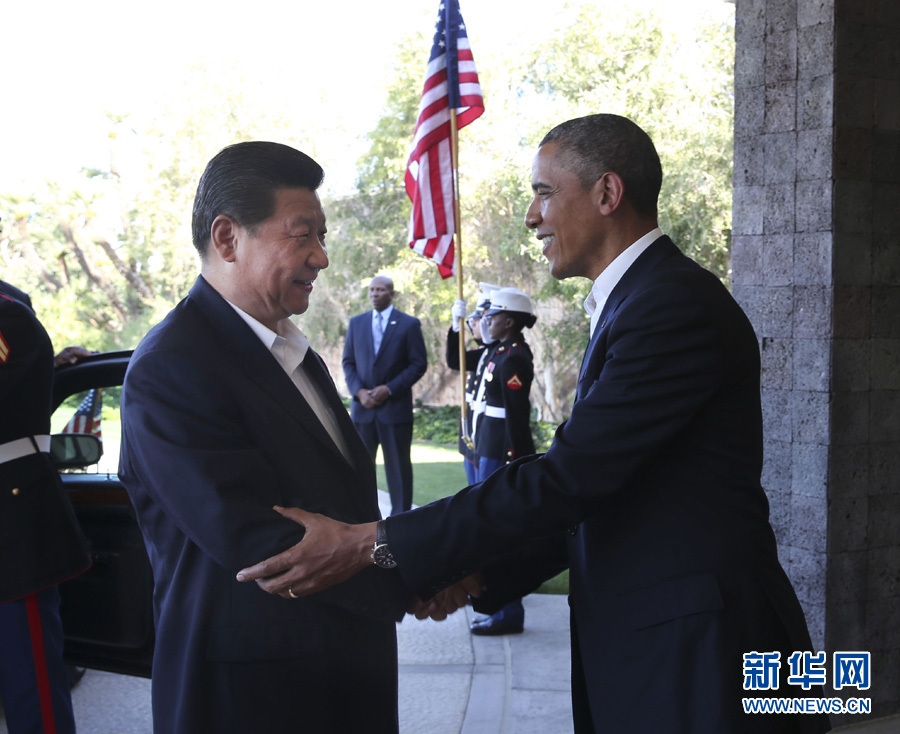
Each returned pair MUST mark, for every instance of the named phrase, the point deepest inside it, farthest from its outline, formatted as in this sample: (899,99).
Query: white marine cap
(487,289)
(483,298)
(510,299)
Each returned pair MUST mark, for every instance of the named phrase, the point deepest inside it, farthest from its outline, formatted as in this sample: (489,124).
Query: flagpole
(454,154)
(451,85)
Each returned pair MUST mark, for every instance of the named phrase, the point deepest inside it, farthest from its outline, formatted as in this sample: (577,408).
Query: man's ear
(223,237)
(609,192)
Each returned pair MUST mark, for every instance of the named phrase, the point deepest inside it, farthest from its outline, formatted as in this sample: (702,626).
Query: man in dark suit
(226,413)
(654,481)
(384,356)
(40,542)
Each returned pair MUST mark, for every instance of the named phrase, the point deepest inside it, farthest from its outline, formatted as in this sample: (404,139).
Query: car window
(96,412)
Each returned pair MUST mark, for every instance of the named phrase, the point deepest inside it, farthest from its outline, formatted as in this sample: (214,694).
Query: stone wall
(816,265)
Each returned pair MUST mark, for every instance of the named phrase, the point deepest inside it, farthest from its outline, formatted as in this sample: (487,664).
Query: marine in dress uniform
(502,414)
(40,542)
(475,361)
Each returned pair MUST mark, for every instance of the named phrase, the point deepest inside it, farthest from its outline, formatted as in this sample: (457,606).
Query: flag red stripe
(435,79)
(437,192)
(433,139)
(429,174)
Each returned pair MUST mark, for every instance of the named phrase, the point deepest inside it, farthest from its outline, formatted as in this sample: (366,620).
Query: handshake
(332,552)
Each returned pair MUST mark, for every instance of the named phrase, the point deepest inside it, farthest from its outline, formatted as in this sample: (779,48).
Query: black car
(107,612)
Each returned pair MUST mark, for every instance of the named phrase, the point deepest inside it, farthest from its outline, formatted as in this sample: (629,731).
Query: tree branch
(34,259)
(134,279)
(108,288)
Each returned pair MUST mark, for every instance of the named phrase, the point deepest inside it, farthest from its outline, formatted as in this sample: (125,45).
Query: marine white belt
(493,412)
(23,447)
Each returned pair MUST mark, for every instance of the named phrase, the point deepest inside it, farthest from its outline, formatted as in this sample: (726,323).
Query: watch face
(382,557)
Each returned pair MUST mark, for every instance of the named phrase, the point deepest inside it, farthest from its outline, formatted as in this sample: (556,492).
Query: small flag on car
(87,416)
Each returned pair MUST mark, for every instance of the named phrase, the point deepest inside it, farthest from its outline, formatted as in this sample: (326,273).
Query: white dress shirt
(610,277)
(289,346)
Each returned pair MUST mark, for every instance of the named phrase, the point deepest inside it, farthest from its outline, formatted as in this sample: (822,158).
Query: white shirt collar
(288,344)
(610,277)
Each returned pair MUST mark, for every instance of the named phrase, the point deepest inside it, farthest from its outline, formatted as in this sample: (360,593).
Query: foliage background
(107,253)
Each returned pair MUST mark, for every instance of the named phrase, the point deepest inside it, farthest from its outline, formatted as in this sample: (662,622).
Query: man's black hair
(597,144)
(240,182)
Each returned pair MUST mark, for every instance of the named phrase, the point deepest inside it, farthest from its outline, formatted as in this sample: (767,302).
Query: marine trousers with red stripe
(34,681)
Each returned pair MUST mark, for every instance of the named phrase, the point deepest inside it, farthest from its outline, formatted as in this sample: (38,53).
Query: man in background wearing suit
(226,413)
(384,356)
(653,482)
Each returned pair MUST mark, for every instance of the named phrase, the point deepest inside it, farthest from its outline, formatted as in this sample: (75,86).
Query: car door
(107,612)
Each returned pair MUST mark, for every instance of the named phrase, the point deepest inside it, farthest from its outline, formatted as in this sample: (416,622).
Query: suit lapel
(648,260)
(589,362)
(318,373)
(257,362)
(360,461)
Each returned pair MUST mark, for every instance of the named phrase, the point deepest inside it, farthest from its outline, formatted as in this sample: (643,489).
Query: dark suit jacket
(400,363)
(656,479)
(40,541)
(214,433)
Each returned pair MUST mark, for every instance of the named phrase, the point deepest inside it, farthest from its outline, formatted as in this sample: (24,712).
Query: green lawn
(438,472)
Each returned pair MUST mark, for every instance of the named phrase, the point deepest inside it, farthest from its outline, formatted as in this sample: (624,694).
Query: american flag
(87,417)
(450,82)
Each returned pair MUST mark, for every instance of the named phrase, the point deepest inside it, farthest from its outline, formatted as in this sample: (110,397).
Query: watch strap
(381,553)
(380,533)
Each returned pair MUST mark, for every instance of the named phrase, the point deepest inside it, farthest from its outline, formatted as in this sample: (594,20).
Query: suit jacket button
(15,491)
(572,530)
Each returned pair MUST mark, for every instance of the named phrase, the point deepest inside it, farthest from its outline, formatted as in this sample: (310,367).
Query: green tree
(107,256)
(86,288)
(677,87)
(368,235)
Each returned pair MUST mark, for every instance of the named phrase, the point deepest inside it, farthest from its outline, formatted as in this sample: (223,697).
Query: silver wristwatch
(381,554)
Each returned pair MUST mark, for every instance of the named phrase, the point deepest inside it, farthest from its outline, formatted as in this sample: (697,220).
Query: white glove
(458,312)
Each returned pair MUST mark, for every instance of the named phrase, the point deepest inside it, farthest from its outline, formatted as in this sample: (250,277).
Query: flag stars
(431,231)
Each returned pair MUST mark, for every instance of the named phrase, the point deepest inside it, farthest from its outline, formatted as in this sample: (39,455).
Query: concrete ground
(450,682)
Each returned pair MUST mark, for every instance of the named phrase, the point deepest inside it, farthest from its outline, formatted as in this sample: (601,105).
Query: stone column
(816,265)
